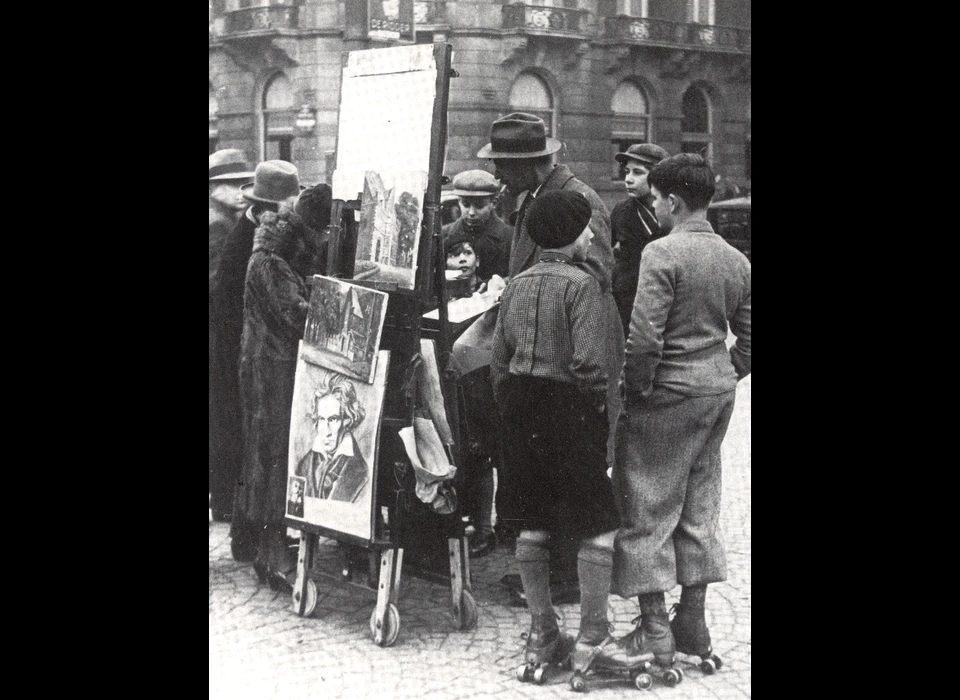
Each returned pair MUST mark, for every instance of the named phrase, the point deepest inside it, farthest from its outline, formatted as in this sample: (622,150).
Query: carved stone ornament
(512,50)
(741,71)
(618,58)
(572,59)
(259,53)
(681,63)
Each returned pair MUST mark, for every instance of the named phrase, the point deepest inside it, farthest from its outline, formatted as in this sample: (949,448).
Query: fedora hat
(647,153)
(273,182)
(475,183)
(229,164)
(519,135)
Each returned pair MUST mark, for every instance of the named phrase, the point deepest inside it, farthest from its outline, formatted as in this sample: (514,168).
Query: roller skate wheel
(522,672)
(310,596)
(679,673)
(671,678)
(708,666)
(717,661)
(578,684)
(643,681)
(538,675)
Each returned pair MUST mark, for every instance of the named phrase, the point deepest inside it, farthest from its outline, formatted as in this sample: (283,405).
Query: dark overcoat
(275,303)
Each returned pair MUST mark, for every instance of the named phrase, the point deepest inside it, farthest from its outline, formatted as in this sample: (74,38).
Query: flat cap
(647,153)
(475,183)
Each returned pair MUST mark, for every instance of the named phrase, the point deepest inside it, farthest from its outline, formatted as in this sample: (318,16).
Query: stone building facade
(602,73)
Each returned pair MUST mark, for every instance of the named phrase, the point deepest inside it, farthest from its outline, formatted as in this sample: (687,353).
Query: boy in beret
(550,382)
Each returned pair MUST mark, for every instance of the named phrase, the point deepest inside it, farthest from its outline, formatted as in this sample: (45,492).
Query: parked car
(449,207)
(731,219)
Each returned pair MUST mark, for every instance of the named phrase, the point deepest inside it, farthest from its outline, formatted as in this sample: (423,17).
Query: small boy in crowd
(550,382)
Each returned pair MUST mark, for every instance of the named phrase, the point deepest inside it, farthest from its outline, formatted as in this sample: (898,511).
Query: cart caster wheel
(523,673)
(578,684)
(311,599)
(708,666)
(643,681)
(538,675)
(391,624)
(466,617)
(671,678)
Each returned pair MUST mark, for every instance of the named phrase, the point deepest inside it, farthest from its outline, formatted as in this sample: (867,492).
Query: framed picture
(343,328)
(334,434)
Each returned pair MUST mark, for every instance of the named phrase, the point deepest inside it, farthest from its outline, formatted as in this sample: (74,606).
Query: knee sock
(533,560)
(694,597)
(594,567)
(485,519)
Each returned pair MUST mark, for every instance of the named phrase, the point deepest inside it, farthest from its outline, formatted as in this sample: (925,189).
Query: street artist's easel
(393,476)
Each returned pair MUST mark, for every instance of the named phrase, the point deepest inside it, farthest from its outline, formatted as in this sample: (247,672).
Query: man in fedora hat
(633,223)
(229,170)
(487,234)
(274,181)
(524,160)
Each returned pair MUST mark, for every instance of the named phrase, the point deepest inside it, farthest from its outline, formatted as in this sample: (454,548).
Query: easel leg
(464,607)
(385,620)
(304,589)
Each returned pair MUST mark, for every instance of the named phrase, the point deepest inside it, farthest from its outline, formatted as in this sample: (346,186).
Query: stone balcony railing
(261,19)
(548,20)
(677,34)
(430,13)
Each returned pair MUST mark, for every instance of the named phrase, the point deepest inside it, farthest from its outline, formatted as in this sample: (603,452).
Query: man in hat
(633,223)
(479,224)
(679,382)
(524,160)
(275,181)
(228,171)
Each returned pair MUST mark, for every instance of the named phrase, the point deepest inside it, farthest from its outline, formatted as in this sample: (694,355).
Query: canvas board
(334,434)
(343,328)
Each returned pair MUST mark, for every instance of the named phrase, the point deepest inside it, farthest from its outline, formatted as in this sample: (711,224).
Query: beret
(556,218)
(646,153)
(460,236)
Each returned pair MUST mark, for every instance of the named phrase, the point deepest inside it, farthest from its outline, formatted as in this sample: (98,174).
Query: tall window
(633,8)
(278,118)
(631,121)
(695,125)
(214,108)
(701,11)
(531,94)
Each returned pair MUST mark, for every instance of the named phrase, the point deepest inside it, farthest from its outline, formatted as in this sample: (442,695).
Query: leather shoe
(482,545)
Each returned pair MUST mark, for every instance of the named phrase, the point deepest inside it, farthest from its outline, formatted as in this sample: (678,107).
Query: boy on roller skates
(550,384)
(679,381)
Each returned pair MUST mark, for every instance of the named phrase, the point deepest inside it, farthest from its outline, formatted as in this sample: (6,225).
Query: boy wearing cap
(550,382)
(228,171)
(479,224)
(633,223)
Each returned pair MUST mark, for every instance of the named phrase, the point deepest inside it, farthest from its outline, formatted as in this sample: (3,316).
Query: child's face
(582,243)
(465,260)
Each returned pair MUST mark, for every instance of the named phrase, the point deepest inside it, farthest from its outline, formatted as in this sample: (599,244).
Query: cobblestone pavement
(259,648)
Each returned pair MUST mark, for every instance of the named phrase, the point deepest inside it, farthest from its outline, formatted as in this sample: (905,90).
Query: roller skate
(590,658)
(689,628)
(635,654)
(547,649)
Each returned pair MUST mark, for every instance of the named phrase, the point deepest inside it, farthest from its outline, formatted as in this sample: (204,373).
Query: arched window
(695,125)
(631,121)
(214,108)
(278,118)
(531,94)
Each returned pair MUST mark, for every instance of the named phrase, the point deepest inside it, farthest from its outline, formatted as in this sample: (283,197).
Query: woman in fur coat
(275,303)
